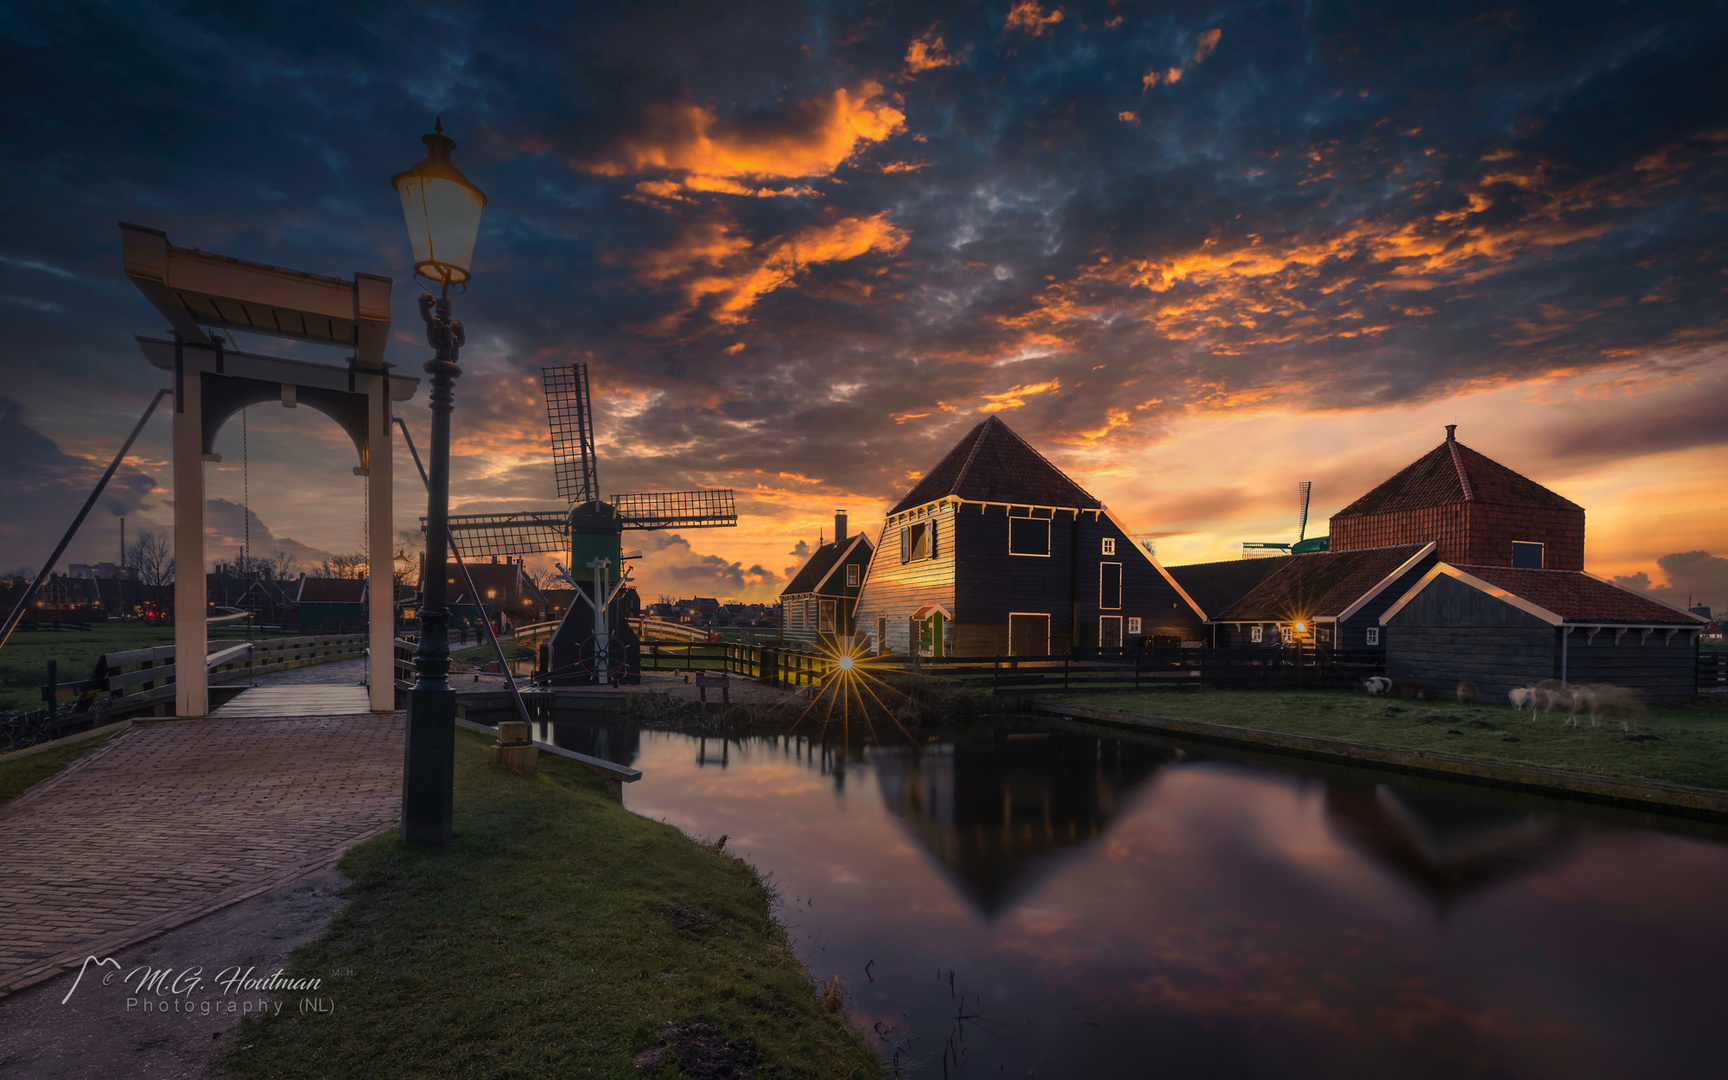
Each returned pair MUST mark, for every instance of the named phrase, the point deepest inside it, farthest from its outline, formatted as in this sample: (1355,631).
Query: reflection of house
(1447,847)
(997,552)
(1501,627)
(998,811)
(1332,599)
(817,604)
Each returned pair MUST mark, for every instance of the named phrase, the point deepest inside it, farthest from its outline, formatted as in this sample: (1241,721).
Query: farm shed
(1478,512)
(997,552)
(1330,599)
(817,604)
(1501,627)
(1215,586)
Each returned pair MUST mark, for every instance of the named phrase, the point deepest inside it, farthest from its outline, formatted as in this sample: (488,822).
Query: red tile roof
(992,464)
(1454,473)
(317,590)
(1320,585)
(1577,597)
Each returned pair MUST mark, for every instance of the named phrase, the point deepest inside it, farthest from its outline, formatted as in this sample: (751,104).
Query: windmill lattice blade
(1306,487)
(534,533)
(571,418)
(708,508)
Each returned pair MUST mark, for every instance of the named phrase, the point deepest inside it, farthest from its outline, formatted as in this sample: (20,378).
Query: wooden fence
(1712,670)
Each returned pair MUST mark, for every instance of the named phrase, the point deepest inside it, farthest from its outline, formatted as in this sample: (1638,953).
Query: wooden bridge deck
(296,699)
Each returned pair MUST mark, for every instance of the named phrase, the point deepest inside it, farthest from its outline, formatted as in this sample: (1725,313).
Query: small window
(1134,625)
(930,546)
(1109,545)
(1028,536)
(1287,634)
(1373,635)
(915,542)
(853,572)
(491,594)
(826,626)
(1110,585)
(1256,634)
(1527,556)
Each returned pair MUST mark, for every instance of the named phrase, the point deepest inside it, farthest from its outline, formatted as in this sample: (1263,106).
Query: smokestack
(839,526)
(1451,432)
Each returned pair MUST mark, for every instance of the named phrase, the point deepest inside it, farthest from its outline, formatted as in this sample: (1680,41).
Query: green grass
(24,660)
(21,774)
(1691,744)
(534,947)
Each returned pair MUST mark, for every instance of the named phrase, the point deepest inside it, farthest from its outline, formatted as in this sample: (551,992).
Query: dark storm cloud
(801,248)
(42,488)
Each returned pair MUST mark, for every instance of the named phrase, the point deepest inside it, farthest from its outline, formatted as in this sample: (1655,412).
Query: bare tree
(350,565)
(151,558)
(278,566)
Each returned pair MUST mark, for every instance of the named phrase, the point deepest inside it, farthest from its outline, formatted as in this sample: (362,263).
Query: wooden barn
(1476,510)
(997,552)
(1328,599)
(1501,627)
(327,603)
(817,605)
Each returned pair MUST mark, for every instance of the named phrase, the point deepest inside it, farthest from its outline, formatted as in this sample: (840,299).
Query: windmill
(591,639)
(1252,549)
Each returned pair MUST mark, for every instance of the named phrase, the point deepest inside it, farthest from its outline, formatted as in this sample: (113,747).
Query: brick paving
(175,819)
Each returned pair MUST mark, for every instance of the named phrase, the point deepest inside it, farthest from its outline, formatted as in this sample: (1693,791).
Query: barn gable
(994,465)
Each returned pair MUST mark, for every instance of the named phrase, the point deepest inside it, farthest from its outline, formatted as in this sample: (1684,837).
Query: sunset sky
(1195,253)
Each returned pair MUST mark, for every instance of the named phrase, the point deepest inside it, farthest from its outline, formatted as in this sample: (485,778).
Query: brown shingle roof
(821,561)
(992,464)
(1217,585)
(1320,585)
(1577,597)
(1453,473)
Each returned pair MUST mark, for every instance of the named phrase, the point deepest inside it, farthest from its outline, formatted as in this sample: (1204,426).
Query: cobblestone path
(175,819)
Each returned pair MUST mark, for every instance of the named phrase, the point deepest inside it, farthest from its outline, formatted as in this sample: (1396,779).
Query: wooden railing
(1109,670)
(1712,670)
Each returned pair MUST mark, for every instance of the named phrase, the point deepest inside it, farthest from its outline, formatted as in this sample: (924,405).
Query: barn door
(1028,634)
(1110,631)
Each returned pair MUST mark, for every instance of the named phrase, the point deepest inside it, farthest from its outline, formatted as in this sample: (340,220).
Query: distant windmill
(590,532)
(1251,548)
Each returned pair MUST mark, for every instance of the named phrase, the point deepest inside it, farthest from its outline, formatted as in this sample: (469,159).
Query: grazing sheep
(1415,690)
(1552,694)
(1467,693)
(1614,701)
(1524,697)
(1377,685)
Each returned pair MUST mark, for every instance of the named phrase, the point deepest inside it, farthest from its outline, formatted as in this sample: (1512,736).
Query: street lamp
(442,209)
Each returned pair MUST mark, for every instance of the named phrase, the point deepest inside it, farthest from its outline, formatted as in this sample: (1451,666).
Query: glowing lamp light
(442,208)
(846,663)
(1301,627)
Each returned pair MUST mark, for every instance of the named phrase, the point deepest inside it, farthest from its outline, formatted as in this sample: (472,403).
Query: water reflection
(1109,905)
(997,809)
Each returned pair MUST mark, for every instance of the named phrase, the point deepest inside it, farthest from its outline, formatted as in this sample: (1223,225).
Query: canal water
(1030,898)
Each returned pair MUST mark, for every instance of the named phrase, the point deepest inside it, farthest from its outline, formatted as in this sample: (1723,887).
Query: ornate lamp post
(443,212)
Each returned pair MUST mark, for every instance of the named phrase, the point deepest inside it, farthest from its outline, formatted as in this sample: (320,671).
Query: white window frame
(1373,635)
(1256,634)
(1109,545)
(1117,606)
(1541,550)
(1287,635)
(1133,625)
(1045,554)
(854,573)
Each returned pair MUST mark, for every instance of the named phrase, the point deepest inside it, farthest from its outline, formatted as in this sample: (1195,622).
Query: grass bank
(20,774)
(559,936)
(1685,744)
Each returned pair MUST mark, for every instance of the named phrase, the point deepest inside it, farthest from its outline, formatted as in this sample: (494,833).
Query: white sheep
(1377,685)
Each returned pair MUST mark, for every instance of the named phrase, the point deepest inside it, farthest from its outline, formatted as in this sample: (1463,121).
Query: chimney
(1451,432)
(839,526)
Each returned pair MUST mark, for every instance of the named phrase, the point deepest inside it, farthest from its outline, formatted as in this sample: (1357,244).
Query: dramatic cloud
(1693,577)
(1029,16)
(678,568)
(927,51)
(42,488)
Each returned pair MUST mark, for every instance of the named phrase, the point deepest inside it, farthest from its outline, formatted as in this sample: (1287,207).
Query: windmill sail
(703,509)
(571,417)
(542,532)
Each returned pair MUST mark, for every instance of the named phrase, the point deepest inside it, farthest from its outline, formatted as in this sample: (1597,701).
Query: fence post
(53,695)
(1065,661)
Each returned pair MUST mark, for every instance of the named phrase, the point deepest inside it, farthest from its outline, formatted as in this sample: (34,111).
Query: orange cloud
(1014,397)
(1027,15)
(1208,42)
(1128,117)
(713,264)
(689,139)
(927,52)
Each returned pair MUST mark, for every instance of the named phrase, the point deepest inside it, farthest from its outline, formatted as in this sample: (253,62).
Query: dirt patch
(684,918)
(703,1052)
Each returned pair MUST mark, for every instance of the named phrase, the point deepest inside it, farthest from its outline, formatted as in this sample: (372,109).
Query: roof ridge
(1463,475)
(972,454)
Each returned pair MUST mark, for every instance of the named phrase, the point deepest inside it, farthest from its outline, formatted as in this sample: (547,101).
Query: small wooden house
(997,552)
(818,604)
(1329,599)
(328,603)
(1502,627)
(1476,510)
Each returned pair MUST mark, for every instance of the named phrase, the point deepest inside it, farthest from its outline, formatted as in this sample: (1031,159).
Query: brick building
(1477,510)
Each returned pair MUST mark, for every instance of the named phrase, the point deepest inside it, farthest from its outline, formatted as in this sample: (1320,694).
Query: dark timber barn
(1329,599)
(996,552)
(1501,627)
(816,607)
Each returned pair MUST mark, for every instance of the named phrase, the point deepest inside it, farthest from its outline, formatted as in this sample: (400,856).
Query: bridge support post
(381,613)
(191,636)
